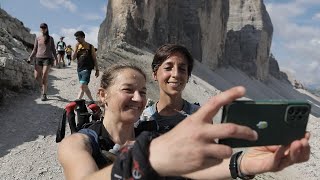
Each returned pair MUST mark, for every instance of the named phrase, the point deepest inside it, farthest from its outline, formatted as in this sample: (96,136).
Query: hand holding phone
(276,122)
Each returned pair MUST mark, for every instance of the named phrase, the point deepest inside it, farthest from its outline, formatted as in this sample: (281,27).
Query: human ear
(154,76)
(102,95)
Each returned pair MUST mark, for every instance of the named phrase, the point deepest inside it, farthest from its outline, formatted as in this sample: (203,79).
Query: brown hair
(165,51)
(46,34)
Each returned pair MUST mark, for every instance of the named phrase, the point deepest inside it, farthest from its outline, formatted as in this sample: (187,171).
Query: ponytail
(46,36)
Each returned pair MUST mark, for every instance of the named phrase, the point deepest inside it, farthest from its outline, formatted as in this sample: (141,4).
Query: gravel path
(28,125)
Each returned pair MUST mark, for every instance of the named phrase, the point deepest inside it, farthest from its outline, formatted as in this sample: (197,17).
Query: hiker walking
(69,51)
(61,46)
(86,61)
(45,53)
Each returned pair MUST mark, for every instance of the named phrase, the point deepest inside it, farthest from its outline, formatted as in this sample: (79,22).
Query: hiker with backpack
(86,61)
(61,46)
(45,54)
(122,93)
(69,51)
(189,150)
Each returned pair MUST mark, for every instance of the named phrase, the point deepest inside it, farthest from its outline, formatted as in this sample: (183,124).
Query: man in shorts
(86,61)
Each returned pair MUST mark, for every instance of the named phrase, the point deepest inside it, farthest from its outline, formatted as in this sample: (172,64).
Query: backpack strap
(193,107)
(103,158)
(104,139)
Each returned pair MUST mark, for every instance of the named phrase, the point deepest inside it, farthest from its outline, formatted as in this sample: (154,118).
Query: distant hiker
(69,51)
(45,54)
(61,46)
(86,59)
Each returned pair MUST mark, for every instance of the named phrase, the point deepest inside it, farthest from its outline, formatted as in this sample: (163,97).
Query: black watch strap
(233,166)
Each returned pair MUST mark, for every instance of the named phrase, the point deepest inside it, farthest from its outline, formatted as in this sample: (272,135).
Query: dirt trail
(28,125)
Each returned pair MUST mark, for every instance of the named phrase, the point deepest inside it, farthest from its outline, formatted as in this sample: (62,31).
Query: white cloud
(104,8)
(54,4)
(316,16)
(92,17)
(297,40)
(90,31)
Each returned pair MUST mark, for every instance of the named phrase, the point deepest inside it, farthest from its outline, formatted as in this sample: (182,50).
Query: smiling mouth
(174,84)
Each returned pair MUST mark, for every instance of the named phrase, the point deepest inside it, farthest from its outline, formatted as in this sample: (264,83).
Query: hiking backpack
(84,117)
(61,45)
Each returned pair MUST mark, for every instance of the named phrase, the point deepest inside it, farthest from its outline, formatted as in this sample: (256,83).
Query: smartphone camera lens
(291,111)
(291,118)
(304,111)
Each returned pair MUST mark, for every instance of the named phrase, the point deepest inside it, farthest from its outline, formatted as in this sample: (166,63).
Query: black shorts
(69,56)
(61,53)
(44,61)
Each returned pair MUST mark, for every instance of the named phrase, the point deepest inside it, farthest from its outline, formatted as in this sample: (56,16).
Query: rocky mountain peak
(219,33)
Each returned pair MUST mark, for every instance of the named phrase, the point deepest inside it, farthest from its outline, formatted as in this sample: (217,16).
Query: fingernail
(255,135)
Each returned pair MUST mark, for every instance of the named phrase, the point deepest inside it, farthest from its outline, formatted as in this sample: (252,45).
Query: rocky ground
(28,125)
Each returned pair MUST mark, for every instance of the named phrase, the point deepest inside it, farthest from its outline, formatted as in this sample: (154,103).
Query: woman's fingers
(299,151)
(208,110)
(229,130)
(217,151)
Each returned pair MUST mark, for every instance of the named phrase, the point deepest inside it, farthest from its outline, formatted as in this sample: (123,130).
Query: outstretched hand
(190,146)
(275,158)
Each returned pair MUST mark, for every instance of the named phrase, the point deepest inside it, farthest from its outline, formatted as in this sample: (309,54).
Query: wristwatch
(234,167)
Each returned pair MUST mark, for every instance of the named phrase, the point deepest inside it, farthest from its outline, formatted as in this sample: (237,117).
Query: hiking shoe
(44,97)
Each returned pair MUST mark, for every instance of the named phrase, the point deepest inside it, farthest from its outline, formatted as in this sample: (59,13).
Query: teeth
(174,84)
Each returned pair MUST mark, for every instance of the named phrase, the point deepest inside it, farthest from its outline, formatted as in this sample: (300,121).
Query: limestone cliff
(199,25)
(249,37)
(15,45)
(219,33)
(16,29)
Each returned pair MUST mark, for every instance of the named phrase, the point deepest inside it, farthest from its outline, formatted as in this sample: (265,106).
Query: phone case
(276,122)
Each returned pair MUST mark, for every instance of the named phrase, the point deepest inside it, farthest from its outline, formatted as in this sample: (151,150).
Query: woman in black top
(123,94)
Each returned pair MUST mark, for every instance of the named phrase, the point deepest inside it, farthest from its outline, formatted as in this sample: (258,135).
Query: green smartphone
(277,122)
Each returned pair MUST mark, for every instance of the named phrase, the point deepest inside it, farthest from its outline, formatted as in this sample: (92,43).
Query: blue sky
(296,38)
(64,17)
(296,35)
